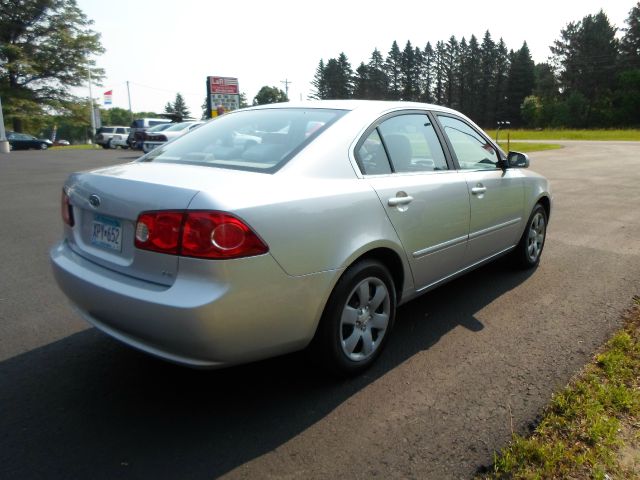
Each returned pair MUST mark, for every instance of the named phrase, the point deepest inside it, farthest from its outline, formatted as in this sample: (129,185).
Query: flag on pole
(108,97)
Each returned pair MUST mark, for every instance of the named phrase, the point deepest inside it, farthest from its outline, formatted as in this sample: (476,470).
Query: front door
(496,196)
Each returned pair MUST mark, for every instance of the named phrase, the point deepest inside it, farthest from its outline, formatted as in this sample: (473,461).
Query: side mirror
(518,160)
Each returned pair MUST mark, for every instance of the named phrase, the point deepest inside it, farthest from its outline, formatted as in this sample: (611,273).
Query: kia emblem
(94,200)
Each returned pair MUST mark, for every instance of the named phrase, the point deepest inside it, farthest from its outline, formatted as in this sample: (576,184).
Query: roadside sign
(223,95)
(108,97)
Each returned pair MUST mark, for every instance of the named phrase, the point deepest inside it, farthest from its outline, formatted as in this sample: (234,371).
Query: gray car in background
(290,226)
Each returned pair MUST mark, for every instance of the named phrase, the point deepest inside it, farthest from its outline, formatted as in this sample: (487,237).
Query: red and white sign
(224,85)
(108,96)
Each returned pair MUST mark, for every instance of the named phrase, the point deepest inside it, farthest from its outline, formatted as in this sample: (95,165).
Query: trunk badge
(94,200)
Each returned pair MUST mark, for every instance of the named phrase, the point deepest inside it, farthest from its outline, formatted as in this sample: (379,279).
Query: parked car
(155,139)
(139,126)
(105,135)
(23,141)
(120,141)
(209,253)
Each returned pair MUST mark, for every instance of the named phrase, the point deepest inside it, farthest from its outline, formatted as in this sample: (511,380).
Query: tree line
(592,78)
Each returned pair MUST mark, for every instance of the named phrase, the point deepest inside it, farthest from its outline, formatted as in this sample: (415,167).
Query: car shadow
(89,407)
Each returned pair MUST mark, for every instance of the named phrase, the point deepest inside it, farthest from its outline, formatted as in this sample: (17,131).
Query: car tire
(529,250)
(43,146)
(109,144)
(356,321)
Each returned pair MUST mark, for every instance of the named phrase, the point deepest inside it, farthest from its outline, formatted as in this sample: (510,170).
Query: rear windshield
(257,140)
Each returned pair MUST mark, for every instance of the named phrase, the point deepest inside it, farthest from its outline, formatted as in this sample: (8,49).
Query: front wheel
(527,253)
(357,319)
(43,146)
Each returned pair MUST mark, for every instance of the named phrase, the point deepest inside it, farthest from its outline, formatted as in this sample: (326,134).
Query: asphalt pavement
(468,363)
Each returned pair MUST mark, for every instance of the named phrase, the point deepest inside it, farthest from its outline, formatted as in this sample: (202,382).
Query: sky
(166,46)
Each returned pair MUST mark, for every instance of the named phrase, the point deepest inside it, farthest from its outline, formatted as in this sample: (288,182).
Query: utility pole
(129,96)
(286,83)
(4,144)
(91,111)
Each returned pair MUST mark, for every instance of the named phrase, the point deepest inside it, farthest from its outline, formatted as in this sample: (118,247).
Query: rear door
(496,195)
(425,199)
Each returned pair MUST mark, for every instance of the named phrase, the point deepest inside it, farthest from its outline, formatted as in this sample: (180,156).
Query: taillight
(66,210)
(200,234)
(159,231)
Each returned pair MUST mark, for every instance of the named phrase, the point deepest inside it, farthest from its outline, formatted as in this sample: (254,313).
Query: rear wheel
(527,253)
(357,319)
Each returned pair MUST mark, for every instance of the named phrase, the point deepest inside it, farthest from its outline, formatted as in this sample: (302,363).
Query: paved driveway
(467,362)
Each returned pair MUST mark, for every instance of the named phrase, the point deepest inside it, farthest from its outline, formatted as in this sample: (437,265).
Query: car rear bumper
(216,313)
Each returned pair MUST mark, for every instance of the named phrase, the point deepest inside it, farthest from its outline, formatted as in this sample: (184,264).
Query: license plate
(106,232)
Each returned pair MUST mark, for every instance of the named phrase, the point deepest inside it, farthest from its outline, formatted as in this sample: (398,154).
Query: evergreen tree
(409,73)
(487,81)
(519,83)
(426,77)
(439,74)
(471,75)
(451,72)
(630,42)
(339,78)
(586,58)
(378,80)
(463,61)
(319,83)
(346,73)
(501,77)
(393,66)
(180,107)
(361,83)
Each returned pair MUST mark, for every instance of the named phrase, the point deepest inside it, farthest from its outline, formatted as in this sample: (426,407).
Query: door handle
(478,190)
(395,201)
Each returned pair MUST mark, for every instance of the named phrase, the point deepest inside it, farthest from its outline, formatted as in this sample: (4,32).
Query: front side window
(412,144)
(472,150)
(259,140)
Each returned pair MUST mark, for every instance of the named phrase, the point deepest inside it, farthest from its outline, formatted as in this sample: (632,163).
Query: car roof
(374,106)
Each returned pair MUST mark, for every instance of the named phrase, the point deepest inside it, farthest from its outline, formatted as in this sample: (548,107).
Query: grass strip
(591,429)
(75,147)
(564,134)
(525,147)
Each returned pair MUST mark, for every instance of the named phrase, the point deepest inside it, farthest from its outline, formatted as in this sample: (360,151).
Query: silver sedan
(210,251)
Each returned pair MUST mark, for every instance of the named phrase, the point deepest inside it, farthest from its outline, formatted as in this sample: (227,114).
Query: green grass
(77,147)
(579,435)
(561,134)
(525,147)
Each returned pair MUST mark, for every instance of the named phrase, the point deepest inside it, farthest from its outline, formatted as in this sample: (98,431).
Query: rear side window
(372,156)
(259,140)
(412,144)
(403,143)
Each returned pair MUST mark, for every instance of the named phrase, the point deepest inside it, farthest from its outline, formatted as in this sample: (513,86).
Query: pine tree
(487,81)
(393,65)
(586,58)
(426,77)
(378,80)
(520,82)
(319,83)
(180,108)
(439,74)
(409,64)
(501,76)
(451,69)
(361,83)
(630,42)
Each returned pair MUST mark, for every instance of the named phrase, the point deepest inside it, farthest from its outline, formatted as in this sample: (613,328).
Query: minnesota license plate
(106,232)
